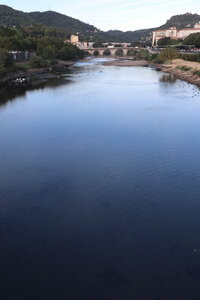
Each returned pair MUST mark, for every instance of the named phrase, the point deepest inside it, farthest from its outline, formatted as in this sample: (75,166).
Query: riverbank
(25,76)
(177,69)
(127,63)
(182,69)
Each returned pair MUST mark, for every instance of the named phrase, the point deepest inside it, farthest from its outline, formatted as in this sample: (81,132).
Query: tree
(38,62)
(98,45)
(164,41)
(49,52)
(6,59)
(131,52)
(143,54)
(168,54)
(168,41)
(193,39)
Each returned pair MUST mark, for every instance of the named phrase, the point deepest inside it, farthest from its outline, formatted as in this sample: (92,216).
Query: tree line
(192,40)
(46,42)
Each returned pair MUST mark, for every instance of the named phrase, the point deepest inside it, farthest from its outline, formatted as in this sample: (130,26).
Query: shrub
(197,72)
(168,54)
(184,68)
(6,59)
(39,62)
(191,57)
(143,54)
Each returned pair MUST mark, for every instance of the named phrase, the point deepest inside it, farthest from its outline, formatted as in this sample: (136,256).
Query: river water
(100,187)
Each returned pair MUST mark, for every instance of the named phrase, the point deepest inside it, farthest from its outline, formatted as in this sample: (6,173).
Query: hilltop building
(173,33)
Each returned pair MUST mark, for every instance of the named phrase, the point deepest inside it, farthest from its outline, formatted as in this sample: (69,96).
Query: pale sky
(113,14)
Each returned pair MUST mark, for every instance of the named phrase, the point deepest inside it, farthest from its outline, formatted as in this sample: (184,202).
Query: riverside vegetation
(46,43)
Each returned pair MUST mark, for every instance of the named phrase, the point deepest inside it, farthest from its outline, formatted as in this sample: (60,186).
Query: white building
(173,33)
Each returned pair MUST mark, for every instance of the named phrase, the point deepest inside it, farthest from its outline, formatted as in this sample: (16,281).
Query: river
(100,187)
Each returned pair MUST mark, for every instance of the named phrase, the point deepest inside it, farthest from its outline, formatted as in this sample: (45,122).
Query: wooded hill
(11,17)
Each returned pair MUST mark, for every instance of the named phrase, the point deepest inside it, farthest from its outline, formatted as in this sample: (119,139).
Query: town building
(74,40)
(174,33)
(21,56)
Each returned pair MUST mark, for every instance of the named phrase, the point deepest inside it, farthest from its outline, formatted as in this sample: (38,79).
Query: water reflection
(100,187)
(8,94)
(168,78)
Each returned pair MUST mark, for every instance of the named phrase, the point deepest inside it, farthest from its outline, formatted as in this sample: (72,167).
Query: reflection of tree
(170,78)
(8,94)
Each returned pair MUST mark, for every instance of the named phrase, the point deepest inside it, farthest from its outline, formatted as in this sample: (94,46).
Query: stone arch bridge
(109,51)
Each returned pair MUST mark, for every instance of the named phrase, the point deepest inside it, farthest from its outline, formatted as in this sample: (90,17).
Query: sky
(113,14)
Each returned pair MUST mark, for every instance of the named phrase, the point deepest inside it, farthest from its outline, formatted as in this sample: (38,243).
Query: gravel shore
(127,63)
(167,68)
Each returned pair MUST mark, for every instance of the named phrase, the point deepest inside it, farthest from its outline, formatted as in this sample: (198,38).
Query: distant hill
(11,17)
(121,36)
(179,21)
(182,21)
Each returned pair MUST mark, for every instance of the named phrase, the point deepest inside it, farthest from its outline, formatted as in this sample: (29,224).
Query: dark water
(100,188)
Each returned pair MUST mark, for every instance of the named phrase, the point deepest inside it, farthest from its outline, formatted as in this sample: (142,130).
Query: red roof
(189,29)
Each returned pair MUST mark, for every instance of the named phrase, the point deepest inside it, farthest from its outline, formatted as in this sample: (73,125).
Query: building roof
(162,30)
(190,29)
(184,29)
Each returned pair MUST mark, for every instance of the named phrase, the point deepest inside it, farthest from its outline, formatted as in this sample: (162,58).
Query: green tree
(168,54)
(3,57)
(168,41)
(98,45)
(131,52)
(143,54)
(193,39)
(49,52)
(6,59)
(38,62)
(164,41)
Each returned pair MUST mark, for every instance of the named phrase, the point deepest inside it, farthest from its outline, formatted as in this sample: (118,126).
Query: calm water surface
(100,187)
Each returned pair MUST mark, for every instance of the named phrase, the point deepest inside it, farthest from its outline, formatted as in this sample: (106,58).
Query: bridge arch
(96,53)
(107,52)
(119,52)
(86,53)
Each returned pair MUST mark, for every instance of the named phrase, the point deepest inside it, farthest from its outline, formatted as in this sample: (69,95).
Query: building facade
(74,40)
(173,33)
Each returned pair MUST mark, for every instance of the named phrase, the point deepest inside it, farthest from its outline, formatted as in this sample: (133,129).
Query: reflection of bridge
(110,51)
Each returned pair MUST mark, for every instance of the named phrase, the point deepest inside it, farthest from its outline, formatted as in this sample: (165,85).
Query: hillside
(182,21)
(11,17)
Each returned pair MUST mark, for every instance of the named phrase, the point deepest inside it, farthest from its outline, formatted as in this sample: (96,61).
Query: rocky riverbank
(187,76)
(172,68)
(127,63)
(26,77)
